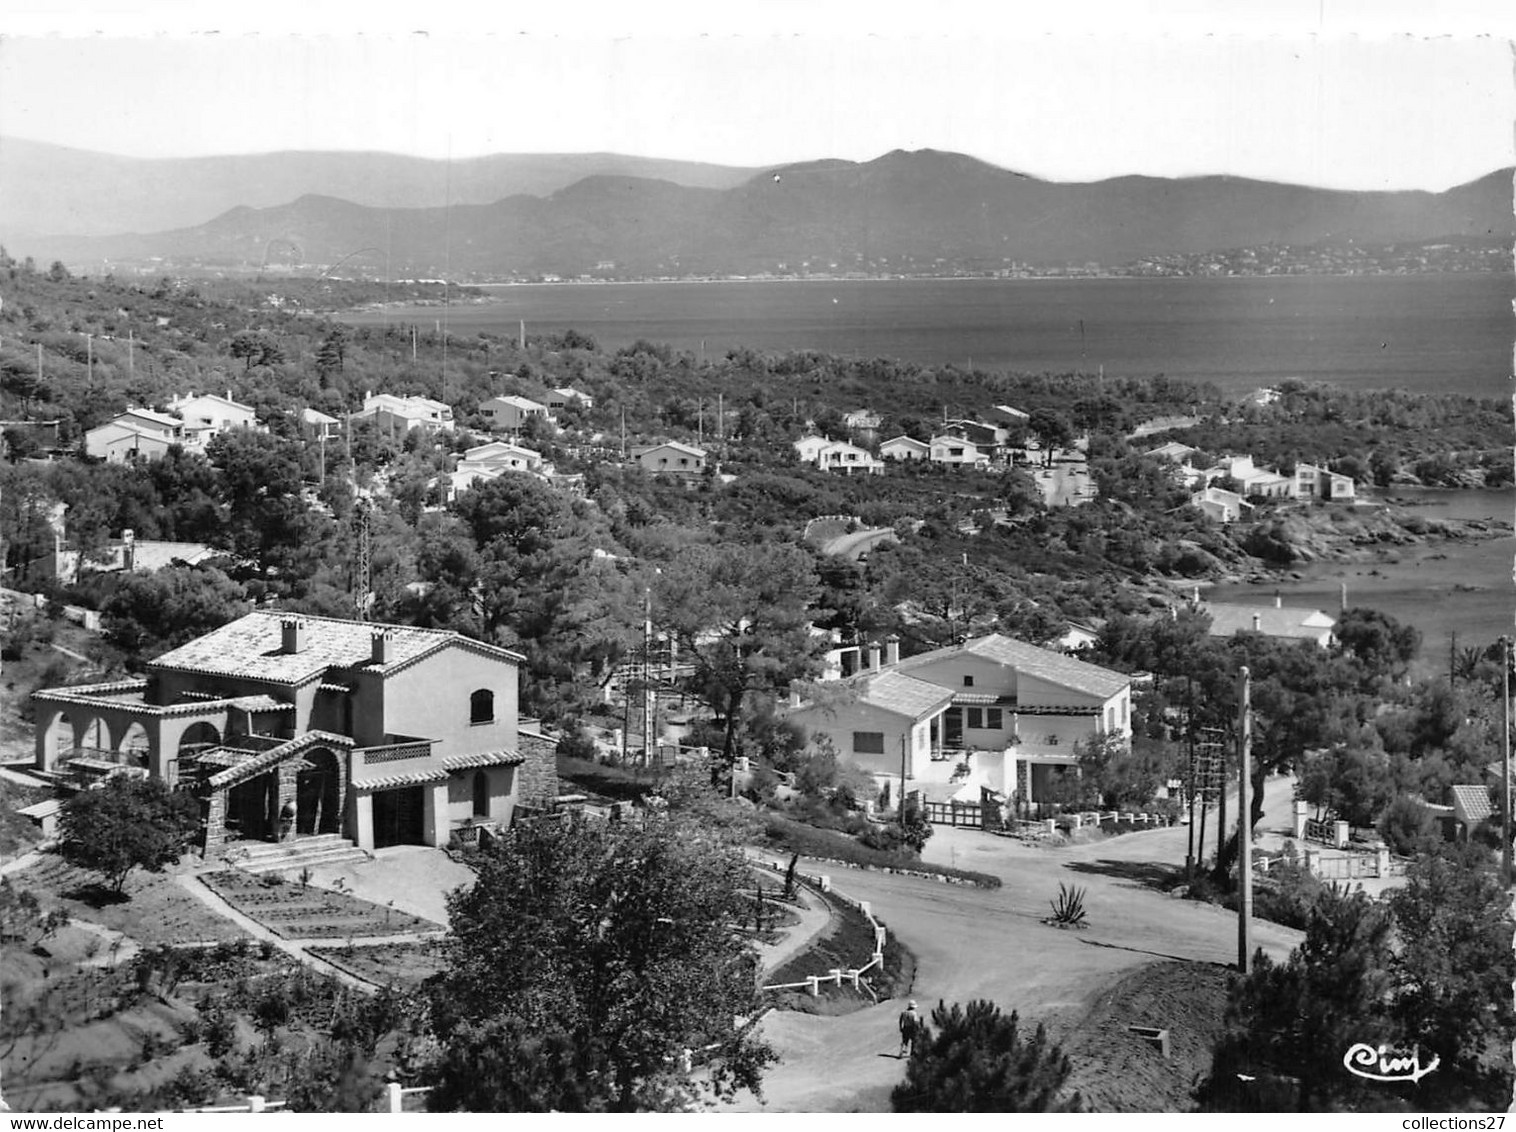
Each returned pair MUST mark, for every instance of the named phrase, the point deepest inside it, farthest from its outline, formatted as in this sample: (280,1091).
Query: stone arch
(55,736)
(318,793)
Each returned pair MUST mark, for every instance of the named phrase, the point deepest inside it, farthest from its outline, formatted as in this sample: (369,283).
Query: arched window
(481,794)
(481,706)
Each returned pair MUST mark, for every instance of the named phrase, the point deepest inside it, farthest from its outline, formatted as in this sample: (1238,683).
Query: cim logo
(1385,1064)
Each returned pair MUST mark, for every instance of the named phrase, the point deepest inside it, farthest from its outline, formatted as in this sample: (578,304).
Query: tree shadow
(96,895)
(1142,874)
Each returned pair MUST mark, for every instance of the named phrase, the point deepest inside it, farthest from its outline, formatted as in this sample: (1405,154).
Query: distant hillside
(52,190)
(922,212)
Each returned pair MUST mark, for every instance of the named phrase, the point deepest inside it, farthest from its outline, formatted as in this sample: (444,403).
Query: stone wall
(537,777)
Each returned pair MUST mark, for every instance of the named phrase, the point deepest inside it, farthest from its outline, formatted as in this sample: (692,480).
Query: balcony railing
(396,752)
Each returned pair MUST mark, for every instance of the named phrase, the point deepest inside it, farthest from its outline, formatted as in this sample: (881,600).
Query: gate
(955,813)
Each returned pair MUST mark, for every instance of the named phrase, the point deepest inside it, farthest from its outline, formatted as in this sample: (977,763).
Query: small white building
(325,427)
(137,434)
(1220,505)
(905,448)
(512,412)
(1277,620)
(393,414)
(562,398)
(213,412)
(958,452)
(487,461)
(838,456)
(1313,482)
(671,457)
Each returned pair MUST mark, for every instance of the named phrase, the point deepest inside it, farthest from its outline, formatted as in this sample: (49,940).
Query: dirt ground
(978,943)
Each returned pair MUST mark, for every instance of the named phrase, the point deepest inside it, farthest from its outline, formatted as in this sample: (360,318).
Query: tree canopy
(126,824)
(584,963)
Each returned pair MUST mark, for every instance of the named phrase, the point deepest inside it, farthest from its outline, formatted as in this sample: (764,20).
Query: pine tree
(974,1059)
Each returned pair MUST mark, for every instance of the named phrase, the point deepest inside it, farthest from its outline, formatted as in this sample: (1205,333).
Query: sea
(1448,333)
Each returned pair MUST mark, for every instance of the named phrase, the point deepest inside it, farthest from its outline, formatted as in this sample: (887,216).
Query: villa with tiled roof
(387,734)
(989,712)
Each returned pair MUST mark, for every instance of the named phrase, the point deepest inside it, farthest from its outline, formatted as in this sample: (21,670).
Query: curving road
(977,943)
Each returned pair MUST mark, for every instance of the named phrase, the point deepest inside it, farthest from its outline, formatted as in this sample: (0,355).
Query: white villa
(990,712)
(512,412)
(392,413)
(905,448)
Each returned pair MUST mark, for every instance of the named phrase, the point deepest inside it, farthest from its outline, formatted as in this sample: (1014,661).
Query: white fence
(837,974)
(394,1100)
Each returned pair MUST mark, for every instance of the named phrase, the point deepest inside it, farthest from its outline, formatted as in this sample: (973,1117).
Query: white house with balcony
(990,712)
(212,412)
(905,448)
(838,456)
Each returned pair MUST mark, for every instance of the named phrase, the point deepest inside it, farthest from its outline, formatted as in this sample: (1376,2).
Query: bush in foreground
(974,1059)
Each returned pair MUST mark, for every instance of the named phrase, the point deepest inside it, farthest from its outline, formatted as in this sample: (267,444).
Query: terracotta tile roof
(903,695)
(410,778)
(252,646)
(484,758)
(272,757)
(1054,667)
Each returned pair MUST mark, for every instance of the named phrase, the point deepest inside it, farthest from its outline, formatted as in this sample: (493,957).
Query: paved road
(973,942)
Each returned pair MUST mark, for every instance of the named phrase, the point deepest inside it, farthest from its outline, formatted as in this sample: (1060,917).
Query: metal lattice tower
(1210,761)
(361,570)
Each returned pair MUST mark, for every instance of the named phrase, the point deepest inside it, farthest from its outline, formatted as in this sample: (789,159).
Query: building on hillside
(135,435)
(127,554)
(212,413)
(1256,482)
(1078,635)
(840,456)
(958,452)
(1012,414)
(513,412)
(325,427)
(392,414)
(1220,505)
(808,445)
(387,734)
(671,457)
(561,398)
(1277,620)
(863,421)
(1174,451)
(1312,482)
(989,438)
(486,461)
(905,448)
(990,712)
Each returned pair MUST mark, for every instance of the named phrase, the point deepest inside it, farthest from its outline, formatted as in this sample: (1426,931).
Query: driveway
(981,943)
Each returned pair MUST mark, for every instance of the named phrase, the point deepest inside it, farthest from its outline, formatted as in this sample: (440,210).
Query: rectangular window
(976,718)
(868,742)
(993,719)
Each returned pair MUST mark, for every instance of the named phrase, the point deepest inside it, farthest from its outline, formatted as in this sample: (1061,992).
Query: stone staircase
(285,856)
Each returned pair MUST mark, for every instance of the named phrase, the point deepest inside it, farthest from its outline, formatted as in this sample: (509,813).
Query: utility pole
(1189,726)
(1453,660)
(649,696)
(1244,823)
(1505,753)
(130,366)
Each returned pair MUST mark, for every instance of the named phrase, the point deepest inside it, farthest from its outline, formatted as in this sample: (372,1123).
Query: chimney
(292,631)
(892,650)
(383,650)
(874,657)
(1257,623)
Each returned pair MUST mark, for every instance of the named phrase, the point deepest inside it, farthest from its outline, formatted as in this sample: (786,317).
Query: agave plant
(1068,909)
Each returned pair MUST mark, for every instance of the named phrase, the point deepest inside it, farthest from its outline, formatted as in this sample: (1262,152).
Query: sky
(1338,94)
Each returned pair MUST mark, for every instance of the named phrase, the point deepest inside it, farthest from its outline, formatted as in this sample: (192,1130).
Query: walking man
(911,1027)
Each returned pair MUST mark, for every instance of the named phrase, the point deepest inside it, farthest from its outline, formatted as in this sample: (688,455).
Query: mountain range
(921,212)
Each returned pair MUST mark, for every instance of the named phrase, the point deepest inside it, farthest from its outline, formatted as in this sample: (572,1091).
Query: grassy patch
(848,943)
(617,783)
(156,909)
(808,841)
(296,911)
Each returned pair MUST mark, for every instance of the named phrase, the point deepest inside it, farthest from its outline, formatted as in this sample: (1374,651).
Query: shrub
(803,839)
(1068,909)
(976,1060)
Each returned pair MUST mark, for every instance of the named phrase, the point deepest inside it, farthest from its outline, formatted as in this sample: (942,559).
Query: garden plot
(296,911)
